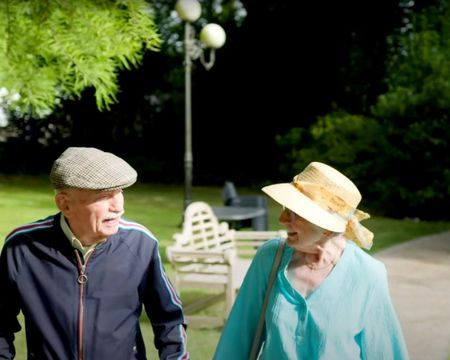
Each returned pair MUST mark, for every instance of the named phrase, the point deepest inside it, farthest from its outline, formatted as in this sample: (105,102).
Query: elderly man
(81,277)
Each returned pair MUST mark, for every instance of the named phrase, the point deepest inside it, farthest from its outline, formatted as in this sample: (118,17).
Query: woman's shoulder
(270,247)
(266,252)
(365,261)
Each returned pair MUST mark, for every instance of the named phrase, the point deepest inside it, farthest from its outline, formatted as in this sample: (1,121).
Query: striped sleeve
(162,304)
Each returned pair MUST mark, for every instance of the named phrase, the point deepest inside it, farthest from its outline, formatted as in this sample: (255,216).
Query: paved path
(419,278)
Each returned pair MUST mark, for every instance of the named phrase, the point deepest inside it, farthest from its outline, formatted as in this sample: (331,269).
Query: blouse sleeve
(382,336)
(236,339)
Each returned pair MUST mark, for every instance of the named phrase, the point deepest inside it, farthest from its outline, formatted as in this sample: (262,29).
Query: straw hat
(327,198)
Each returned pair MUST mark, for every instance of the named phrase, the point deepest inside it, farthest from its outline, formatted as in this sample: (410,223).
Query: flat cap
(92,169)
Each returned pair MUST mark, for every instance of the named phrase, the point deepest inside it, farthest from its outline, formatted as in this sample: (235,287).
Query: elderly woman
(330,299)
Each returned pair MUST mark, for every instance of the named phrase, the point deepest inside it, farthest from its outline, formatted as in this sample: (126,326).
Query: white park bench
(208,254)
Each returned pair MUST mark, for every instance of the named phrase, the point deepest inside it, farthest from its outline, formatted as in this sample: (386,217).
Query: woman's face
(302,235)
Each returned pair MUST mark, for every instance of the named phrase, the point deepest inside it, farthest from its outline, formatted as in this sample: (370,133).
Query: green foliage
(414,113)
(399,156)
(52,50)
(418,68)
(352,143)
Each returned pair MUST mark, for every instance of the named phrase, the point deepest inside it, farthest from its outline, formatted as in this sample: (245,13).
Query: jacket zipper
(82,279)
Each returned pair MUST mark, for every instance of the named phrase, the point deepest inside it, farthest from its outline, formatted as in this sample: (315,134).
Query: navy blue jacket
(90,317)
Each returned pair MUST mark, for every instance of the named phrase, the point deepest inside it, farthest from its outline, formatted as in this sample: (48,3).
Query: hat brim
(289,196)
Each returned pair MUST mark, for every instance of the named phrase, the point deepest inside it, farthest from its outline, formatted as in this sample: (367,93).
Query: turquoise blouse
(349,316)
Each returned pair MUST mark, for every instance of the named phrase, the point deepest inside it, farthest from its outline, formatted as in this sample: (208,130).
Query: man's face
(92,215)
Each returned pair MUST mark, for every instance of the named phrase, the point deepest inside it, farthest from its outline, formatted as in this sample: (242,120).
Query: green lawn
(159,207)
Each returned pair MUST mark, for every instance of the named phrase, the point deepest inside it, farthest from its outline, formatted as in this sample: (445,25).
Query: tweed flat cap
(91,169)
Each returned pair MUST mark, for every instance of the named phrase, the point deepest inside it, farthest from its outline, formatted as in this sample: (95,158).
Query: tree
(53,50)
(398,153)
(414,112)
(355,144)
(143,105)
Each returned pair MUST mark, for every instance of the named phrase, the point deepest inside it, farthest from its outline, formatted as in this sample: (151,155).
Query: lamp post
(212,36)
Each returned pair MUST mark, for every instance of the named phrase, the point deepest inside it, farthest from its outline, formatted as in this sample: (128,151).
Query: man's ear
(62,202)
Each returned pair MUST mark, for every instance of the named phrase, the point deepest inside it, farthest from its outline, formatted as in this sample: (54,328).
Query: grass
(159,207)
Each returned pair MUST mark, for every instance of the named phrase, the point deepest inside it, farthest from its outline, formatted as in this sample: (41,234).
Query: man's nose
(116,202)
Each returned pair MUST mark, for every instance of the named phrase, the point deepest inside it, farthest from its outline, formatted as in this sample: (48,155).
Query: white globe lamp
(213,36)
(188,10)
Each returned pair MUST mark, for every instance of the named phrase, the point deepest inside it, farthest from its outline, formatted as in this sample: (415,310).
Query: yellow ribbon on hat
(362,236)
(333,203)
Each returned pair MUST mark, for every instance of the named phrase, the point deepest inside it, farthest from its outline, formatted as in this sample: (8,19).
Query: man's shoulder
(31,228)
(135,229)
(139,240)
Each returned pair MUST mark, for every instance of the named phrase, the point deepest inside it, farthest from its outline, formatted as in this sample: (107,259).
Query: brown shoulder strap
(259,328)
